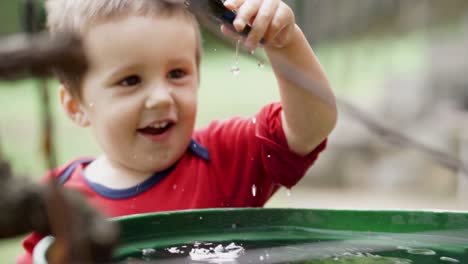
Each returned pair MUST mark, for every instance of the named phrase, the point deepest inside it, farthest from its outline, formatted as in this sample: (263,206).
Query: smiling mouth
(156,129)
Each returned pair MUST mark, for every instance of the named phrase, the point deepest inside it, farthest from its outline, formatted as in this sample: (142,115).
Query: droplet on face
(254,190)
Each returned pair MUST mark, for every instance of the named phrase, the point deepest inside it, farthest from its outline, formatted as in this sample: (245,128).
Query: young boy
(139,96)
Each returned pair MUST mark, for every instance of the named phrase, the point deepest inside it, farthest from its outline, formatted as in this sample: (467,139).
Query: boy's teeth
(160,125)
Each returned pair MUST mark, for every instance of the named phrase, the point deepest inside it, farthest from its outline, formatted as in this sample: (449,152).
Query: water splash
(451,260)
(235,70)
(218,254)
(174,250)
(147,252)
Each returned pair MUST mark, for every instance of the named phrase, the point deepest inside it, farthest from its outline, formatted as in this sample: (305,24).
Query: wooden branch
(38,54)
(49,209)
(397,138)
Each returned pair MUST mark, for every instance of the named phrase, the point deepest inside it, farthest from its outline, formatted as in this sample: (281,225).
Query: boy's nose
(159,97)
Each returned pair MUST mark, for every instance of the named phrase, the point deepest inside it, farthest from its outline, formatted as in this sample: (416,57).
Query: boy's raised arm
(309,108)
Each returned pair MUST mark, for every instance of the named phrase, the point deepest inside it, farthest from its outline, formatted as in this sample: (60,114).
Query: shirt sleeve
(28,244)
(251,157)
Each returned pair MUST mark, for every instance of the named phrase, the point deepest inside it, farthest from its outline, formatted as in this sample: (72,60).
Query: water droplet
(235,70)
(269,156)
(194,145)
(183,190)
(261,64)
(254,120)
(421,251)
(174,186)
(91,104)
(215,50)
(201,217)
(237,51)
(234,226)
(447,259)
(254,190)
(288,192)
(148,251)
(174,250)
(252,52)
(262,258)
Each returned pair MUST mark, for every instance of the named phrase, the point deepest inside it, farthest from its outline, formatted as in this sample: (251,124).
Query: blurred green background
(363,45)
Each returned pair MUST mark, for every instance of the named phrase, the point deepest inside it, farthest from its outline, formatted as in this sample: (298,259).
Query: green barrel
(295,236)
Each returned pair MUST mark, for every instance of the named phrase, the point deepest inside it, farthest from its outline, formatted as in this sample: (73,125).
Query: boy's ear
(73,108)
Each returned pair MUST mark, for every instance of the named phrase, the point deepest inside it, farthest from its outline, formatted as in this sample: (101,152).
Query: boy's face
(140,93)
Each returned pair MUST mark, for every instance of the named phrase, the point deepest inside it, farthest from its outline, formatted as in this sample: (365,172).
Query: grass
(354,69)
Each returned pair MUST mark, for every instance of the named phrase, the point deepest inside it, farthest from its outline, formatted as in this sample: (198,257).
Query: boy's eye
(176,74)
(130,81)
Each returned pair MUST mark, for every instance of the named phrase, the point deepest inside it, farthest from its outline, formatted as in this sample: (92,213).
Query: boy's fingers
(282,20)
(228,32)
(262,22)
(233,4)
(245,13)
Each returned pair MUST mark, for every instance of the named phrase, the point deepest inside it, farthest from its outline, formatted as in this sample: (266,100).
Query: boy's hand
(272,22)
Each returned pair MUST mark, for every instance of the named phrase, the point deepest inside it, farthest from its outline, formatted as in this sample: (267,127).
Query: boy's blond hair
(76,16)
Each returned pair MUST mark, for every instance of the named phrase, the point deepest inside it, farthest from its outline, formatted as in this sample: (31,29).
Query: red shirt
(238,162)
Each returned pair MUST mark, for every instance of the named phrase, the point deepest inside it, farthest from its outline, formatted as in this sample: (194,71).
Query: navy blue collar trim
(64,176)
(118,194)
(195,147)
(199,149)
